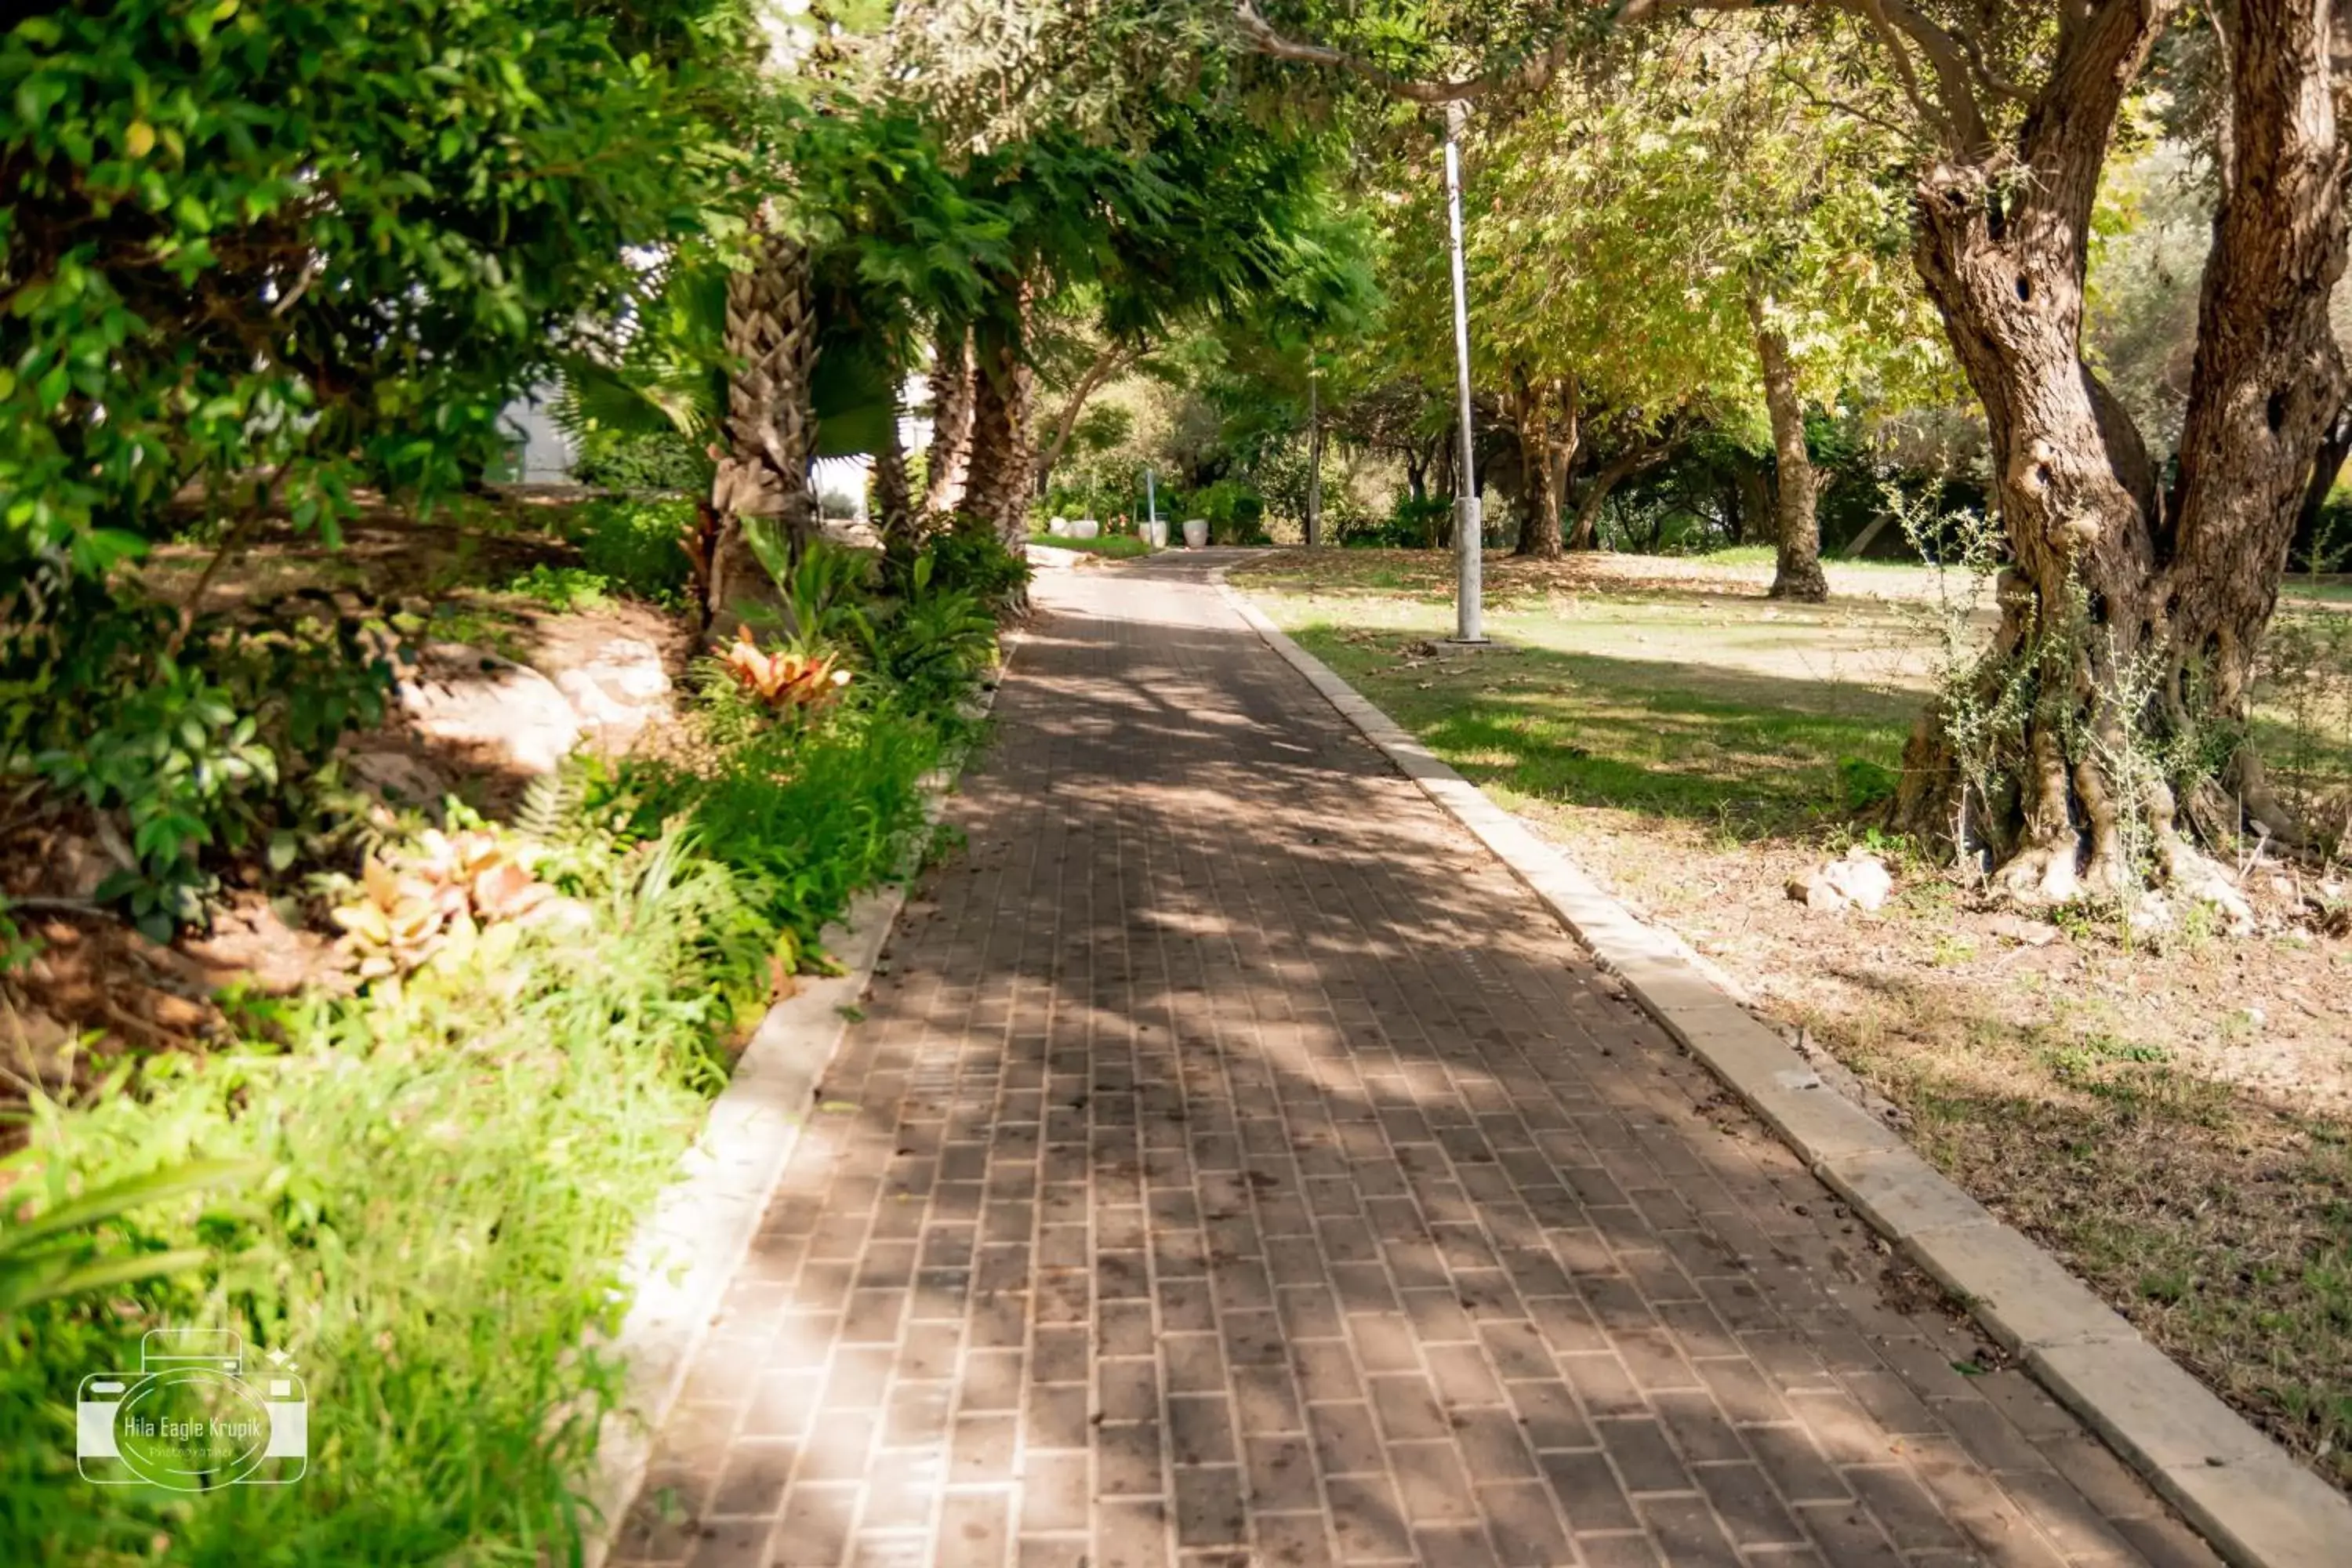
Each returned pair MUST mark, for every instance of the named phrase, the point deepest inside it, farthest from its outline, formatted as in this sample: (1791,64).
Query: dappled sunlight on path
(1233,1167)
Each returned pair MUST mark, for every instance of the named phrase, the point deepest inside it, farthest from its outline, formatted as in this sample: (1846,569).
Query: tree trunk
(1546,451)
(2130,626)
(762,481)
(1114,357)
(1003,472)
(894,505)
(1752,485)
(1797,528)
(1614,472)
(951,391)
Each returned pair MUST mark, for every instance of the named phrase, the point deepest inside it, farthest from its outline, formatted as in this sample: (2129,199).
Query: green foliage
(446,1172)
(66,1251)
(188,748)
(640,460)
(967,555)
(811,815)
(936,641)
(339,280)
(635,544)
(1867,783)
(1410,525)
(824,593)
(563,588)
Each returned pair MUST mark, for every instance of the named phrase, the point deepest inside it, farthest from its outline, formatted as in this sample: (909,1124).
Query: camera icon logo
(191,1419)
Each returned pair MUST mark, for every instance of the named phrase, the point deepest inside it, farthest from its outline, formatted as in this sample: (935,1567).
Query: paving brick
(1247,1172)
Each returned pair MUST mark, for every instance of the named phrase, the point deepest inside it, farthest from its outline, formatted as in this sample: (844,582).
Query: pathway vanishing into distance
(1235,1166)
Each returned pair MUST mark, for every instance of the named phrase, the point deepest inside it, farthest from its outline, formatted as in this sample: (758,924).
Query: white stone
(506,714)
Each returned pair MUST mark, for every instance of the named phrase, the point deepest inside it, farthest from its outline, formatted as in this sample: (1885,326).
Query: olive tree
(2107,732)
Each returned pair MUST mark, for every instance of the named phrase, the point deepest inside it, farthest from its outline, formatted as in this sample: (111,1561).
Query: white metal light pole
(1468,528)
(1314,459)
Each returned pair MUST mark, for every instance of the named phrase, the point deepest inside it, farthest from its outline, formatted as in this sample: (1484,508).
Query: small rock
(1860,880)
(397,777)
(506,714)
(618,692)
(2017,929)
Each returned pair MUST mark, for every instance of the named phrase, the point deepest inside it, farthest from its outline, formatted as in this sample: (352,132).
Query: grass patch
(1112,546)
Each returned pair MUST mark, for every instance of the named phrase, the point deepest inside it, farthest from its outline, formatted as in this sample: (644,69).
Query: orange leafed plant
(784,680)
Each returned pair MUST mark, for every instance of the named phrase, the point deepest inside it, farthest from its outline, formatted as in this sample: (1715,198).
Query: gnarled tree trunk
(1643,455)
(2130,619)
(950,461)
(1796,573)
(763,480)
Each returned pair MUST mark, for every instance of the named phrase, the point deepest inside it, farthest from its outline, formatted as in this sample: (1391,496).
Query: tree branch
(1114,355)
(1535,72)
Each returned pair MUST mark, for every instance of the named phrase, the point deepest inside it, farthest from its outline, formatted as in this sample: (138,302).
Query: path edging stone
(689,1248)
(2248,1496)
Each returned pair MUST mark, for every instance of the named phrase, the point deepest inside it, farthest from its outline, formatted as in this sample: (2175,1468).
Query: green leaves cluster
(325,240)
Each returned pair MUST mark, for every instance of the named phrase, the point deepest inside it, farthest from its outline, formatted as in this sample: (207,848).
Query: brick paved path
(1235,1168)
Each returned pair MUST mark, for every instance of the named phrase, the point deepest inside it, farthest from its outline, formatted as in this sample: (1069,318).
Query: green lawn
(1114,546)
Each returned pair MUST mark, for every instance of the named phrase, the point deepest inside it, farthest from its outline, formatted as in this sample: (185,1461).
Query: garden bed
(413,1161)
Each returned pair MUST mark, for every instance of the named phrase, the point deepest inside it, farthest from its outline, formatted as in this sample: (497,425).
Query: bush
(966,554)
(1410,525)
(452,1173)
(186,748)
(635,544)
(664,460)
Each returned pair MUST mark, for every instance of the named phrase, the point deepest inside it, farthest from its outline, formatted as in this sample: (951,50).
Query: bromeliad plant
(785,681)
(454,898)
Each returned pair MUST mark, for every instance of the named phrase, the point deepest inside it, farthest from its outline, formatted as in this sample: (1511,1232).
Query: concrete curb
(2251,1500)
(689,1248)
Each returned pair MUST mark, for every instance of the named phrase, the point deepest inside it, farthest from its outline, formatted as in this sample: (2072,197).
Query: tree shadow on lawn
(1676,739)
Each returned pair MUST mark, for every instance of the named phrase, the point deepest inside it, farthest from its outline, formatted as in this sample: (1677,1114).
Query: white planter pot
(1155,532)
(1196,532)
(1086,528)
(1059,527)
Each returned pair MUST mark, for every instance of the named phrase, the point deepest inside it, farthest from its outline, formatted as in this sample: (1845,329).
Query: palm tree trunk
(951,455)
(762,482)
(1004,471)
(893,506)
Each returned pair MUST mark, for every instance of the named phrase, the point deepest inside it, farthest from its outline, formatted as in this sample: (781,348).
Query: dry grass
(2174,1122)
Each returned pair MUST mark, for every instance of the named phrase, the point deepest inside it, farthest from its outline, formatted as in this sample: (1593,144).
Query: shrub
(966,554)
(651,460)
(186,746)
(935,642)
(449,1167)
(635,544)
(453,1171)
(1410,525)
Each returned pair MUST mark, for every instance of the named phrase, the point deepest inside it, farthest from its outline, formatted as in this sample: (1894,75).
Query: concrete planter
(1196,532)
(1155,531)
(1086,528)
